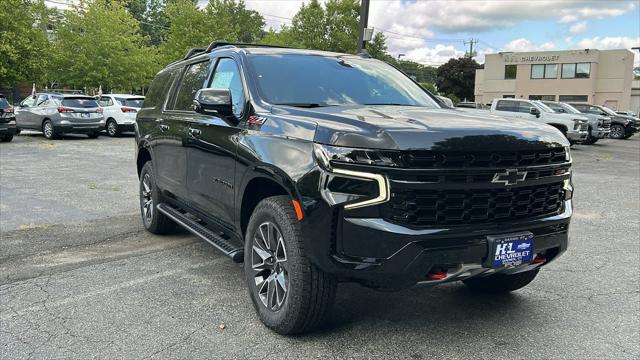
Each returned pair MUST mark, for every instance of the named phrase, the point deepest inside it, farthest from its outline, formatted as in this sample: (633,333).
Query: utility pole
(364,20)
(471,42)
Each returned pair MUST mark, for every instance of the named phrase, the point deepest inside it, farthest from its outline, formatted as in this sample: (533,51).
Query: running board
(226,246)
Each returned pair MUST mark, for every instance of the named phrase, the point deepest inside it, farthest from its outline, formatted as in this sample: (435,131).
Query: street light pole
(364,20)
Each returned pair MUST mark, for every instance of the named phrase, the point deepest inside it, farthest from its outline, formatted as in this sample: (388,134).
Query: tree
(23,42)
(190,27)
(308,27)
(457,77)
(377,48)
(152,18)
(99,44)
(341,21)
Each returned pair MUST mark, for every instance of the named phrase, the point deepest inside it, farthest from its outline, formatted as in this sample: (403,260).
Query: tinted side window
(192,81)
(507,106)
(158,90)
(525,107)
(4,103)
(42,99)
(227,76)
(106,101)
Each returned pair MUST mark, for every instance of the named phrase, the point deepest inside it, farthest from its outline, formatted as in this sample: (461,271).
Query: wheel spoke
(271,296)
(268,260)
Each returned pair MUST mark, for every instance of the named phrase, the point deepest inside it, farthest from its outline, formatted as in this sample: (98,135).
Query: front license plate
(510,250)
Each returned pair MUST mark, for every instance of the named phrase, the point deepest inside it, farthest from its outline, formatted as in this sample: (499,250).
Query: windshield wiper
(390,104)
(304,105)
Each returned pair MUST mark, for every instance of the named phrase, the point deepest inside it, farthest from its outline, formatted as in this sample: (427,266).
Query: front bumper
(577,135)
(381,254)
(601,133)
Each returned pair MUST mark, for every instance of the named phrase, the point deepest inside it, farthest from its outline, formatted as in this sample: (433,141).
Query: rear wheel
(153,220)
(289,293)
(48,130)
(617,131)
(502,283)
(112,128)
(6,138)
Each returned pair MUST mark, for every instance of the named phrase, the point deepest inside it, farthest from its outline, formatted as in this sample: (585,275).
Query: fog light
(568,189)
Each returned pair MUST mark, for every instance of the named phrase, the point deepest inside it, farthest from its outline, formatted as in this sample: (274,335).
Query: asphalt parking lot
(80,277)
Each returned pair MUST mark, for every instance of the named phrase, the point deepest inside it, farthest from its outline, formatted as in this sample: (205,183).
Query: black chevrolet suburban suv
(315,167)
(7,120)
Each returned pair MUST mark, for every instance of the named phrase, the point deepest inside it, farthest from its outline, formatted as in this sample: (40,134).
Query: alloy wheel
(111,128)
(147,199)
(616,132)
(269,264)
(48,130)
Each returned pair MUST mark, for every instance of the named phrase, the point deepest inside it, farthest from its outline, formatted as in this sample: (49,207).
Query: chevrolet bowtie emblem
(509,177)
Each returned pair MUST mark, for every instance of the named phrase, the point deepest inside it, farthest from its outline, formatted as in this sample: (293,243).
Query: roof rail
(219,43)
(192,52)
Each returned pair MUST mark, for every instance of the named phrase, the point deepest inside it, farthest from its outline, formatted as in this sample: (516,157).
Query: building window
(542,71)
(572,98)
(508,96)
(543,97)
(576,71)
(510,71)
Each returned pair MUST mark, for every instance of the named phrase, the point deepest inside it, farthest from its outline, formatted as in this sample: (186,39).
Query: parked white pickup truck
(574,127)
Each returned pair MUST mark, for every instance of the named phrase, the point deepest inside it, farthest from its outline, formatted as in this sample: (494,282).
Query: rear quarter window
(506,105)
(159,88)
(79,102)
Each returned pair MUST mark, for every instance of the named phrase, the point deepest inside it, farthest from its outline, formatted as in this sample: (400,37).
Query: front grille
(429,207)
(440,159)
(606,124)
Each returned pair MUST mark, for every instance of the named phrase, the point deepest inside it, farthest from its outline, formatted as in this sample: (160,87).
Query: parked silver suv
(55,114)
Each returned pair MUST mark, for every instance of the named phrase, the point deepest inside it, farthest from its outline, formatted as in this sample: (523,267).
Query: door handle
(194,132)
(164,127)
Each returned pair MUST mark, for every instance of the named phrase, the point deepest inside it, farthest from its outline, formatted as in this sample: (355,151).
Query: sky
(433,31)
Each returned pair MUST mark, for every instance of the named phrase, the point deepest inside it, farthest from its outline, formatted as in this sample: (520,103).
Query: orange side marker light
(298,209)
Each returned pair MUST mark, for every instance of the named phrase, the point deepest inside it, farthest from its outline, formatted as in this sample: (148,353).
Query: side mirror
(534,111)
(209,101)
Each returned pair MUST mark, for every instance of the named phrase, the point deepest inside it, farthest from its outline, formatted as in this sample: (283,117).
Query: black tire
(155,222)
(500,283)
(309,293)
(93,135)
(112,128)
(617,132)
(590,140)
(6,138)
(49,133)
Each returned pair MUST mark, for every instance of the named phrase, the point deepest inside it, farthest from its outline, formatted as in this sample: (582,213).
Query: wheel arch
(257,187)
(563,128)
(143,156)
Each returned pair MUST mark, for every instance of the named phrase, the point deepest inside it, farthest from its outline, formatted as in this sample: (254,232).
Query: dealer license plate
(510,250)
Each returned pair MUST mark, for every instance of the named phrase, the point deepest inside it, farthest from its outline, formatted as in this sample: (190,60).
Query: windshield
(607,110)
(561,106)
(79,102)
(4,103)
(131,102)
(324,81)
(542,106)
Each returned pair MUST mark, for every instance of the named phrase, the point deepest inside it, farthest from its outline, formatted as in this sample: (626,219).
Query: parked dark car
(315,167)
(7,120)
(55,114)
(622,126)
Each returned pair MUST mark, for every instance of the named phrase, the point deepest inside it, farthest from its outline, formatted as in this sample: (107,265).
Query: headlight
(326,155)
(353,188)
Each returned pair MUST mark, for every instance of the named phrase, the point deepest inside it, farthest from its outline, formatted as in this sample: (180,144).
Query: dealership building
(602,77)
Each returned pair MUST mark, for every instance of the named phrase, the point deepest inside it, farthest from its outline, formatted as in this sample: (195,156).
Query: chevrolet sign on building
(600,77)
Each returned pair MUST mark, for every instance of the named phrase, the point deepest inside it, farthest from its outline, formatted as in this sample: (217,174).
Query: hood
(418,128)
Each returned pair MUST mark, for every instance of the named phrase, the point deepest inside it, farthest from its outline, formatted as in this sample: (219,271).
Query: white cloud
(568,18)
(578,28)
(523,44)
(614,42)
(437,55)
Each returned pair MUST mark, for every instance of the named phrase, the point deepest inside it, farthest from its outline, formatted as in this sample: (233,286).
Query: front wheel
(6,138)
(289,293)
(617,131)
(590,140)
(501,282)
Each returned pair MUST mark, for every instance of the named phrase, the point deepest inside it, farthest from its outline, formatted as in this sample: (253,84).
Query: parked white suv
(120,112)
(574,127)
